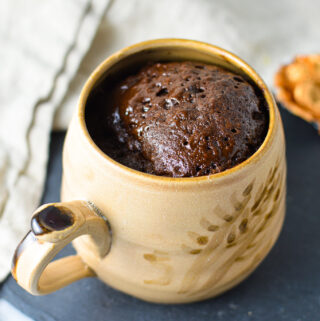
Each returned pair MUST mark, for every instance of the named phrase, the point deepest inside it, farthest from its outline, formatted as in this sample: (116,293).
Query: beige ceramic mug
(168,240)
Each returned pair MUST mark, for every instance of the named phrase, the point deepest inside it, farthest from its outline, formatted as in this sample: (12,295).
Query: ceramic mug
(161,239)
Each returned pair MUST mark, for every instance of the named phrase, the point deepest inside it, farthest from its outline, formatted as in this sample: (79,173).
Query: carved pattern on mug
(240,232)
(159,260)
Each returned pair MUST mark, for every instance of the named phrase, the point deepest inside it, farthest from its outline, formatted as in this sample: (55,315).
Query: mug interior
(129,60)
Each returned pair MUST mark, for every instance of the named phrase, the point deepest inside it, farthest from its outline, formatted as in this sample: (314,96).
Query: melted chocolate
(178,119)
(50,219)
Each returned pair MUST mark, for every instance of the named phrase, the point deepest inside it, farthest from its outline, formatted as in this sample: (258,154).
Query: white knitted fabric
(41,46)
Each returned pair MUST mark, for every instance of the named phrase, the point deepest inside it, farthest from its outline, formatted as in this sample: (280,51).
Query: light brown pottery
(168,240)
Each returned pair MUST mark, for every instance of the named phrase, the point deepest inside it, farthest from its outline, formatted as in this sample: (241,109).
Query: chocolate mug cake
(159,238)
(178,119)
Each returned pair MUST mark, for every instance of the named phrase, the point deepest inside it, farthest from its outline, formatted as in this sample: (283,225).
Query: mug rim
(231,58)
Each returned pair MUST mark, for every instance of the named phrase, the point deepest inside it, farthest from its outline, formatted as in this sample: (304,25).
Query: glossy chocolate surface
(178,119)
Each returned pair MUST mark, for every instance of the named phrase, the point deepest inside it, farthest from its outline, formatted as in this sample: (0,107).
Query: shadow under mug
(161,239)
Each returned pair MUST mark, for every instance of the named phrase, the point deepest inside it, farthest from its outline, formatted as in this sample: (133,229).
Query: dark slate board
(286,286)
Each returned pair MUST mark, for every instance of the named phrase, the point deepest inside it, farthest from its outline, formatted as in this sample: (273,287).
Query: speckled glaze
(177,240)
(161,239)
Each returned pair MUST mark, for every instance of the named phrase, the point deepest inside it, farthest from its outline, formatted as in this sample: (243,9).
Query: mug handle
(53,226)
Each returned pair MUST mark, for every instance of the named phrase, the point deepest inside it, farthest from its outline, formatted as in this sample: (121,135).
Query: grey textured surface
(285,287)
